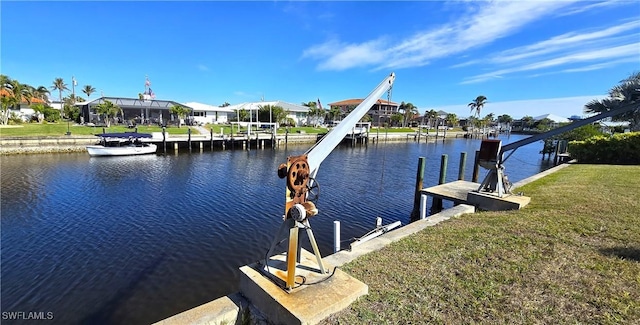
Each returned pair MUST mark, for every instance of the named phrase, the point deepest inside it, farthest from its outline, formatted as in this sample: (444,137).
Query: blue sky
(526,57)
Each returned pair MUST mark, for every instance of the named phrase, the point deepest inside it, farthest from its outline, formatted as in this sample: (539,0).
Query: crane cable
(384,152)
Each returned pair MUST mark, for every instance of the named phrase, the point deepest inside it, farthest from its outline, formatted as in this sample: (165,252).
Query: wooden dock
(464,192)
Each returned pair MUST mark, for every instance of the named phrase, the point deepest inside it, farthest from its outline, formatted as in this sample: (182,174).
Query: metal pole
(336,236)
(463,162)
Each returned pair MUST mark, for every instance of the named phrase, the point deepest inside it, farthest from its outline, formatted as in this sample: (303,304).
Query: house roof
(555,118)
(34,100)
(133,103)
(357,101)
(209,108)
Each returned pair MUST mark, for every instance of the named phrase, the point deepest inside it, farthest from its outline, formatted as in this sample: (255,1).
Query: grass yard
(571,256)
(60,129)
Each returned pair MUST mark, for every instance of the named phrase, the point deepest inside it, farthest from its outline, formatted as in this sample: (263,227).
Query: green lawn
(571,256)
(60,129)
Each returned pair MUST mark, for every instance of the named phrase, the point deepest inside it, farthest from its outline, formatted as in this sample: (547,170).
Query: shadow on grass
(626,253)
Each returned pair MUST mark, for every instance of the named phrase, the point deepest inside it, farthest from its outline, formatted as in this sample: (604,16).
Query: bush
(14,119)
(622,148)
(581,133)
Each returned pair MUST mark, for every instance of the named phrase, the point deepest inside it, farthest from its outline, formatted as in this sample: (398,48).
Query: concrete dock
(464,192)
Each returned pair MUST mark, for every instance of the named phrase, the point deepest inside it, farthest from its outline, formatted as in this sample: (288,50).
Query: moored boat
(122,144)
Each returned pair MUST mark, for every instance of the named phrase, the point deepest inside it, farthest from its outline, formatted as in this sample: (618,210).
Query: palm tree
(527,121)
(21,92)
(42,93)
(314,111)
(335,112)
(451,119)
(505,119)
(108,110)
(7,98)
(60,86)
(88,90)
(409,110)
(431,115)
(627,92)
(477,104)
(4,82)
(180,111)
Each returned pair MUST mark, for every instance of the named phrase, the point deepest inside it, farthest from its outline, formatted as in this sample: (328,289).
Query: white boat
(121,144)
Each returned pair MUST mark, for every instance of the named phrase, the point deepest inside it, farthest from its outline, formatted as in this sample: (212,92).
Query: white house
(552,117)
(298,113)
(203,113)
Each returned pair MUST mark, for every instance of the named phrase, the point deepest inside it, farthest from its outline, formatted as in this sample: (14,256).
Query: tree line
(13,93)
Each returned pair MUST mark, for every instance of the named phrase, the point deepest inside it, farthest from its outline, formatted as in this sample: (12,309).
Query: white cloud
(349,56)
(627,52)
(203,67)
(562,43)
(603,65)
(597,5)
(491,21)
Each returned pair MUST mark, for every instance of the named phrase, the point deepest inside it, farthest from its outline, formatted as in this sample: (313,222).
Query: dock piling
(437,203)
(419,185)
(463,163)
(189,139)
(476,167)
(164,139)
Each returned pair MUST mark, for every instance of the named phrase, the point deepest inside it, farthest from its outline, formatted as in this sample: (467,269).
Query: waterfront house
(380,112)
(134,110)
(298,113)
(205,114)
(23,110)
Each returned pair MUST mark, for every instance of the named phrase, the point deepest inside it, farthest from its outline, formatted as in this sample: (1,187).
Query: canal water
(133,240)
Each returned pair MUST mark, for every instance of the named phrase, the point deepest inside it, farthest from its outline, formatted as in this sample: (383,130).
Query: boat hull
(98,150)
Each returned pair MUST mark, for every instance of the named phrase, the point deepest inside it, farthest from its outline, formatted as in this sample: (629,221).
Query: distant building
(22,110)
(380,112)
(298,113)
(554,118)
(204,114)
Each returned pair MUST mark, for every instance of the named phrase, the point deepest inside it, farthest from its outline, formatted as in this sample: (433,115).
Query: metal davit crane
(301,191)
(492,152)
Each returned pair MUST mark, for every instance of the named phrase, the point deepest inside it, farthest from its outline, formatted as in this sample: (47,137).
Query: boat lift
(302,189)
(492,152)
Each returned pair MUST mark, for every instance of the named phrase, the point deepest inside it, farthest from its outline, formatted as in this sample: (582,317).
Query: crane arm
(318,152)
(568,127)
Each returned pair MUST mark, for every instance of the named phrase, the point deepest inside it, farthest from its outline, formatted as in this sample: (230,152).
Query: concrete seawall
(12,146)
(65,144)
(234,308)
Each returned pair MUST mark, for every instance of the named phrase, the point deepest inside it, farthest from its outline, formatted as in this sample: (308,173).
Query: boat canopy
(124,135)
